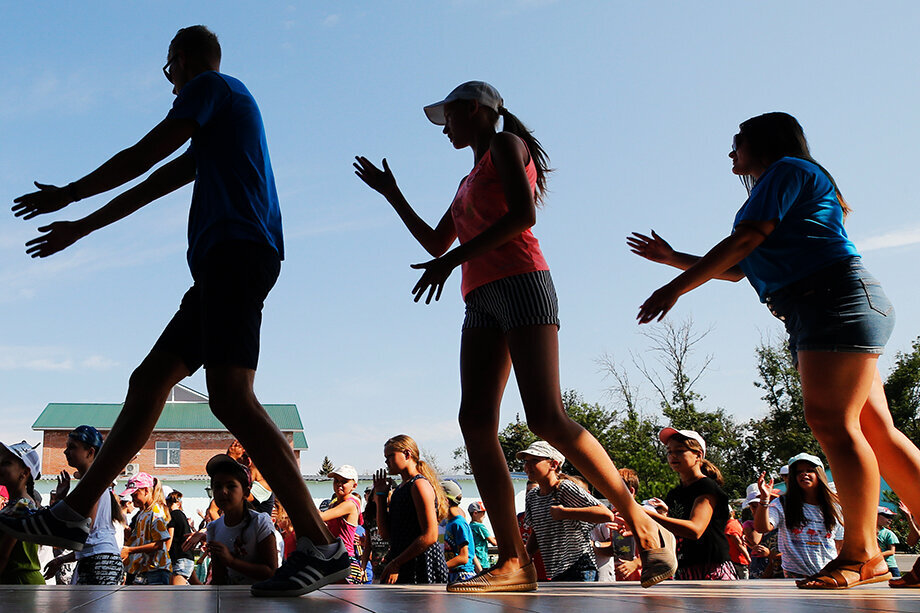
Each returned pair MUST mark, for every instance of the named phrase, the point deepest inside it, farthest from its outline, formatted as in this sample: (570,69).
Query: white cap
(807,457)
(784,470)
(480,91)
(346,471)
(542,449)
(26,452)
(666,433)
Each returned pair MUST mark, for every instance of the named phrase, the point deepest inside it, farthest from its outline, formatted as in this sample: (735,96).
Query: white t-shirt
(101,538)
(808,548)
(243,544)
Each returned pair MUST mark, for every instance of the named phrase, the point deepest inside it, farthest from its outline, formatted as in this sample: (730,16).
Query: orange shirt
(479,203)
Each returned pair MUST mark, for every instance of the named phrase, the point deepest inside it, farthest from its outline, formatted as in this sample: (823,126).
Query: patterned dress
(429,566)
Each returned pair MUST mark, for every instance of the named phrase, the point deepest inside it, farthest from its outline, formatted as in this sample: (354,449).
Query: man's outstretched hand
(47,199)
(59,235)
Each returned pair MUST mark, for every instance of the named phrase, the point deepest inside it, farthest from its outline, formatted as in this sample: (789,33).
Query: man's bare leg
(148,390)
(234,403)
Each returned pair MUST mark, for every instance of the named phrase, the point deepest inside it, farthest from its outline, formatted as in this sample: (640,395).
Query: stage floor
(774,596)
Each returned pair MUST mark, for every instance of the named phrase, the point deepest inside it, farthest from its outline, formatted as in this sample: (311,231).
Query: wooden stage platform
(763,596)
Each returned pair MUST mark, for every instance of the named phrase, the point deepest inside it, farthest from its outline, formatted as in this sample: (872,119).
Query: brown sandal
(910,579)
(832,576)
(660,563)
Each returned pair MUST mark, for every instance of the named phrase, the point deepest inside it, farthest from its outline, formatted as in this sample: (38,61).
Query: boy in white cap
(20,465)
(887,539)
(482,537)
(562,515)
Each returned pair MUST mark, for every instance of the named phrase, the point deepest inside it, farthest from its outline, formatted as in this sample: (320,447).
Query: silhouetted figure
(234,253)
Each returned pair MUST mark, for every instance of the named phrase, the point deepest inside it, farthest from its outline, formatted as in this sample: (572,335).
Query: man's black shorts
(218,321)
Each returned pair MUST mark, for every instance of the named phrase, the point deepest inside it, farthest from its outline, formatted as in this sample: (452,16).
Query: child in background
(19,466)
(737,550)
(183,562)
(343,515)
(615,553)
(458,538)
(562,515)
(410,521)
(887,539)
(697,509)
(145,553)
(241,542)
(482,537)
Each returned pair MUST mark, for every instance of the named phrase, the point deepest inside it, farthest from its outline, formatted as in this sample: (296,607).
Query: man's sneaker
(43,528)
(305,570)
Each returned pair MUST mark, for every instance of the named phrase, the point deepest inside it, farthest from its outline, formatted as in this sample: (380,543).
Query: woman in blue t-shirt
(788,241)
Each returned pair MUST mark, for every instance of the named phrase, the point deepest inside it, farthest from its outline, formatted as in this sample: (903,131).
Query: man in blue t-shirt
(234,254)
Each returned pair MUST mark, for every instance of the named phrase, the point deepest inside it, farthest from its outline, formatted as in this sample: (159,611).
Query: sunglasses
(167,70)
(737,139)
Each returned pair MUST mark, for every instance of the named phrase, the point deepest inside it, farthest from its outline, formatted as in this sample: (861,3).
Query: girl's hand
(380,481)
(220,552)
(192,540)
(658,304)
(381,181)
(390,574)
(759,551)
(904,509)
(63,485)
(652,247)
(436,273)
(125,552)
(765,489)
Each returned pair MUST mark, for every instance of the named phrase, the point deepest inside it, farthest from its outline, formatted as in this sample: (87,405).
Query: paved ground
(773,596)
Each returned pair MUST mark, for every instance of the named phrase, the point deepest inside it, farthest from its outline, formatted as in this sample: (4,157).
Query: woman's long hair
(794,508)
(708,468)
(404,442)
(772,136)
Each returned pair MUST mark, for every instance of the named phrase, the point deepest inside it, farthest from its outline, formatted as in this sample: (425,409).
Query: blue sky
(636,104)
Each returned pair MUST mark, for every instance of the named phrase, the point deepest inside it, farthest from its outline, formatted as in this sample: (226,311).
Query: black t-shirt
(712,547)
(179,523)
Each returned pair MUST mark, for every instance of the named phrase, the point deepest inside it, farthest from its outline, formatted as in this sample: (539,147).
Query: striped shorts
(520,300)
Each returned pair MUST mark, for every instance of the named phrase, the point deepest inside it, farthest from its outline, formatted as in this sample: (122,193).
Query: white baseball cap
(480,91)
(26,452)
(542,449)
(346,471)
(666,433)
(807,457)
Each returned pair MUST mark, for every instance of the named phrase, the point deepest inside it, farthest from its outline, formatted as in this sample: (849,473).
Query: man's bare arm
(165,138)
(61,234)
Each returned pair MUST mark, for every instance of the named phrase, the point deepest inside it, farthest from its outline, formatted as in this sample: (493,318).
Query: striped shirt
(561,542)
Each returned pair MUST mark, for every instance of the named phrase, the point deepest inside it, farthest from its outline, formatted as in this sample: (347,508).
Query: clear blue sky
(636,104)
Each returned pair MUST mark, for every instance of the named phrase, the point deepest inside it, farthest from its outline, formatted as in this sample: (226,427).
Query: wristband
(72,192)
(380,493)
(765,502)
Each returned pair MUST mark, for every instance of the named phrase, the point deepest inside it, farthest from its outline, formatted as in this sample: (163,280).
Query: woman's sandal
(842,574)
(910,579)
(523,579)
(661,563)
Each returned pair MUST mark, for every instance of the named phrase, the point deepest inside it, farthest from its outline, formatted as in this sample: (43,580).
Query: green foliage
(327,467)
(515,437)
(903,391)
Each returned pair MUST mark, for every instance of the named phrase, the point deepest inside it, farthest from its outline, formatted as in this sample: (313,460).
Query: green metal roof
(175,416)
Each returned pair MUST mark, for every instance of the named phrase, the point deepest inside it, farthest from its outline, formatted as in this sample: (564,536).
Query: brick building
(185,437)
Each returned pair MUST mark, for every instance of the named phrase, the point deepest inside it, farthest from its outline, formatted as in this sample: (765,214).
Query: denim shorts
(839,308)
(183,567)
(527,299)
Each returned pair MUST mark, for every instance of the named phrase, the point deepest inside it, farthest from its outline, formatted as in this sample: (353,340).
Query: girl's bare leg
(484,368)
(835,389)
(535,355)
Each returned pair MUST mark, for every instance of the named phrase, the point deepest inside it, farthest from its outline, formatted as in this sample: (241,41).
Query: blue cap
(87,435)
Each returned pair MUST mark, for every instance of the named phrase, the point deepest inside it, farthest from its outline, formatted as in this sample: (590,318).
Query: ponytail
(159,499)
(514,126)
(439,496)
(710,470)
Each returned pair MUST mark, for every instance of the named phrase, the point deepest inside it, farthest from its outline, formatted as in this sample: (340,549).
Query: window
(167,453)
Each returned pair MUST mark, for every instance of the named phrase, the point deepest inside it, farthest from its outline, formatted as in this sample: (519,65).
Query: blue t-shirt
(234,196)
(457,533)
(809,234)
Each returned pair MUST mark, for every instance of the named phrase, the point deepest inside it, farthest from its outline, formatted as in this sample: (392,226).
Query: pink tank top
(479,203)
(344,530)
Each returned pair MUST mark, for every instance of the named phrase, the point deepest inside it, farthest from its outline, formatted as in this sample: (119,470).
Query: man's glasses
(167,70)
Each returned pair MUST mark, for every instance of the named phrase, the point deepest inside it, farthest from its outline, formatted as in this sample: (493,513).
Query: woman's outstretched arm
(436,240)
(657,249)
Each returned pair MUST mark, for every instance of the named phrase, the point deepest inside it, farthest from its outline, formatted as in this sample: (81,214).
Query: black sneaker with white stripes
(43,528)
(304,571)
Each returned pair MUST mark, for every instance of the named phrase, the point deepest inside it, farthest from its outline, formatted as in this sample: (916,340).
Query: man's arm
(165,138)
(62,234)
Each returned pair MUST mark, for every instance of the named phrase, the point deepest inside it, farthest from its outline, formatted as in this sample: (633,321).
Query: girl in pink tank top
(511,319)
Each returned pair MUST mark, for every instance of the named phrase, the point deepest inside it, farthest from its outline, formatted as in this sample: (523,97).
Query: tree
(327,467)
(902,388)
